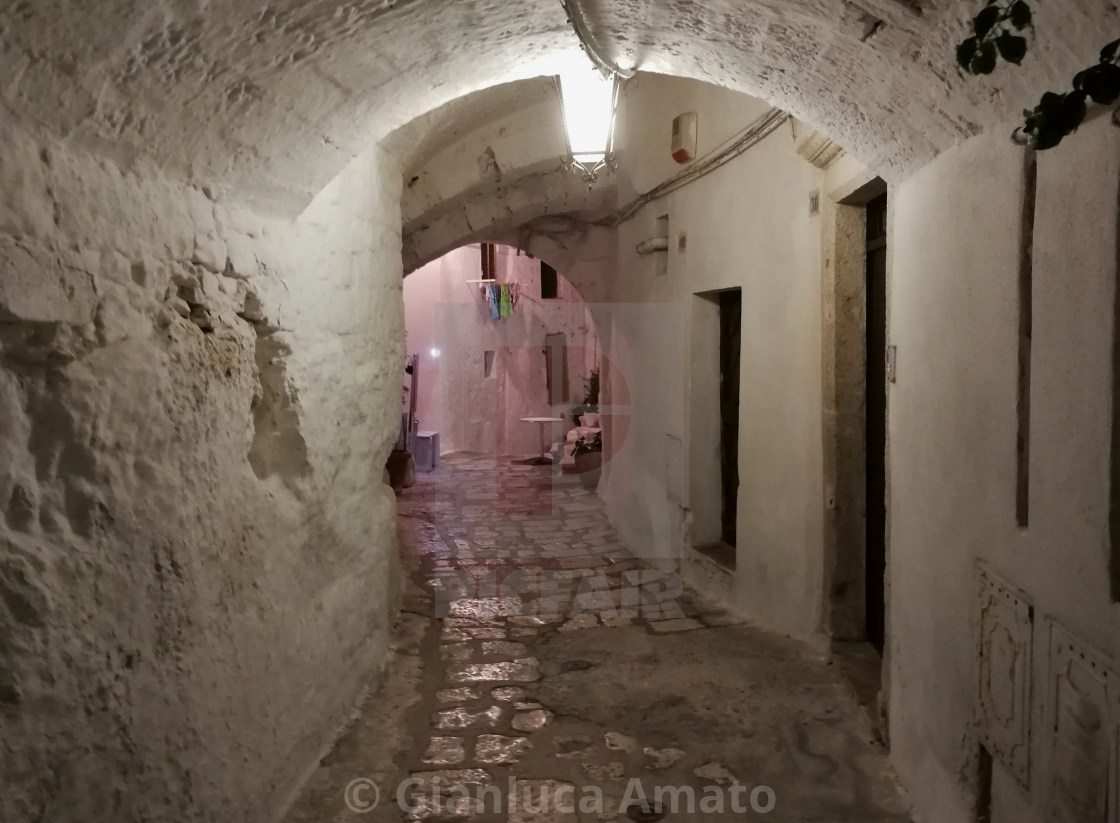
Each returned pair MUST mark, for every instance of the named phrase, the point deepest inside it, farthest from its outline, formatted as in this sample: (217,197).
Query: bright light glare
(435,352)
(588,99)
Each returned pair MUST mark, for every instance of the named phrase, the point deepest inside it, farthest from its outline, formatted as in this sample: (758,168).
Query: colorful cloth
(493,294)
(506,306)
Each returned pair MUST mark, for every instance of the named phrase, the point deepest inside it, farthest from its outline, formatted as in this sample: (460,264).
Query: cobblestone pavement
(542,673)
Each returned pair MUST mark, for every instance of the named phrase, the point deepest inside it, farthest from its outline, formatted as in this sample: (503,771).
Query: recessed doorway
(713,487)
(875,545)
(730,336)
(855,291)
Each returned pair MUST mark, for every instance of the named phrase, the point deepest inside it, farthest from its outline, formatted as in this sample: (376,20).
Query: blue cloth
(494,295)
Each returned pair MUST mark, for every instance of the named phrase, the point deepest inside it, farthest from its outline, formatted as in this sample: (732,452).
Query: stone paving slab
(570,680)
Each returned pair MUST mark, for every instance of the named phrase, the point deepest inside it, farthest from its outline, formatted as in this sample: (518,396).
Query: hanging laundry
(493,295)
(514,294)
(506,305)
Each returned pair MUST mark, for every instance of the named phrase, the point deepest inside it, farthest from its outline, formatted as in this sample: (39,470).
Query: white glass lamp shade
(588,100)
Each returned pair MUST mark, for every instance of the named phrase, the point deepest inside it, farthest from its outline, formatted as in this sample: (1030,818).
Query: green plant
(591,388)
(996,34)
(587,445)
(1057,116)
(590,404)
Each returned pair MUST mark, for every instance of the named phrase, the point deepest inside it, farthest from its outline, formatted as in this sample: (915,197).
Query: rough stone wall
(490,166)
(527,136)
(197,556)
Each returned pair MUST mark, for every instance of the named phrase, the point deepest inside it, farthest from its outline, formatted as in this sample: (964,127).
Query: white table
(540,459)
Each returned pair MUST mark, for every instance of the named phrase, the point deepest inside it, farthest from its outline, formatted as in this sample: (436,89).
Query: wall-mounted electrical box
(684,137)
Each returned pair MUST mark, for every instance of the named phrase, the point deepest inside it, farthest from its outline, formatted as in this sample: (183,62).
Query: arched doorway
(487,363)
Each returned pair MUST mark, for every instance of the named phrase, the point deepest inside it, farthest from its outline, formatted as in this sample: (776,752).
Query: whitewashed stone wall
(957,229)
(747,225)
(197,556)
(277,99)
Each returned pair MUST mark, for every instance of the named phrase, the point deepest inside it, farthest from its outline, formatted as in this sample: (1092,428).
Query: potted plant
(588,455)
(590,402)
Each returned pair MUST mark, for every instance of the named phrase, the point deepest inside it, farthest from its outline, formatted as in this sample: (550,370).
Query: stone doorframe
(847,188)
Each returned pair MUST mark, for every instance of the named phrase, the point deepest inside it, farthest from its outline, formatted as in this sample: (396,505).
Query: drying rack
(471,284)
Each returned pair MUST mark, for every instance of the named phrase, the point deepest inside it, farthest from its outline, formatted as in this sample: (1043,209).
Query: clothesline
(522,296)
(501,297)
(499,283)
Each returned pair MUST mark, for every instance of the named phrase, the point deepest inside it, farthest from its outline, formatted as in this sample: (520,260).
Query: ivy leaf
(1050,104)
(986,20)
(1073,111)
(1012,48)
(1044,123)
(1020,15)
(1108,53)
(1047,137)
(966,51)
(1101,83)
(984,62)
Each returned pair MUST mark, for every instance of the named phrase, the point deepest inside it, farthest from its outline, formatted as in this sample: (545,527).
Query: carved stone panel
(1004,650)
(1081,712)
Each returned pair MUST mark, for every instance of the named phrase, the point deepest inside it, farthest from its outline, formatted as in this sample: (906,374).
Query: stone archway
(271,104)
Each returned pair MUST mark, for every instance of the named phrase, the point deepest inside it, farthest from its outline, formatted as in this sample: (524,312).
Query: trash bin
(426,451)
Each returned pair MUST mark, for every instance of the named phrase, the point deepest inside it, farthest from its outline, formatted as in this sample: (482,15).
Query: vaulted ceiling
(271,100)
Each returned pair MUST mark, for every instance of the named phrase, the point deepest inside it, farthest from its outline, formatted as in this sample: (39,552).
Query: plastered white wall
(748,226)
(198,561)
(953,441)
(955,236)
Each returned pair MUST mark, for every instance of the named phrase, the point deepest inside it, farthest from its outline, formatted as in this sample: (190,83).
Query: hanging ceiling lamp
(589,99)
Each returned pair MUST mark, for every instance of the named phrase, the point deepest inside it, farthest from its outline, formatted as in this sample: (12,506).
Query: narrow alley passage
(541,672)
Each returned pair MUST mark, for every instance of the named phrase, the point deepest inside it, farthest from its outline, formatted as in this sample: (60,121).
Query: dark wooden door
(556,368)
(730,336)
(876,518)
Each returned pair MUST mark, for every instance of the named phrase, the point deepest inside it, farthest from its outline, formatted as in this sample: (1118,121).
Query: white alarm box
(684,137)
